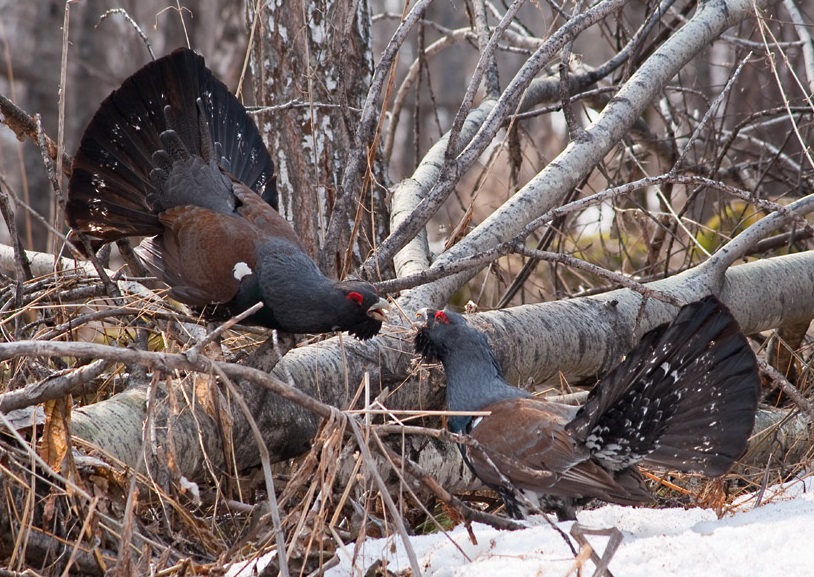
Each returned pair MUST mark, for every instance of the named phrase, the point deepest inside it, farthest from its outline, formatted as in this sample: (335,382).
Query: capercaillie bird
(684,399)
(172,155)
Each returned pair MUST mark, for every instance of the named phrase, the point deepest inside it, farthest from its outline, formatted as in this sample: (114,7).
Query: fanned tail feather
(113,190)
(684,399)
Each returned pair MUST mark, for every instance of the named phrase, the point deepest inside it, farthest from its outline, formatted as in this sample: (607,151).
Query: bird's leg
(282,342)
(579,531)
(274,348)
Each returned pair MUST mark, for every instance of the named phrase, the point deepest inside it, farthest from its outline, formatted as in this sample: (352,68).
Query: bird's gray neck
(474,380)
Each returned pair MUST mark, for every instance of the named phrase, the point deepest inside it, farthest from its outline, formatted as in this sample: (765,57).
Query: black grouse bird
(173,155)
(684,399)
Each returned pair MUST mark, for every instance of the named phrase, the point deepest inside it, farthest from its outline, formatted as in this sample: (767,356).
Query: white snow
(770,540)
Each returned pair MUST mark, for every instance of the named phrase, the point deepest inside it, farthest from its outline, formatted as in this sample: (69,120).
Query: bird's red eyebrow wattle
(442,317)
(355,297)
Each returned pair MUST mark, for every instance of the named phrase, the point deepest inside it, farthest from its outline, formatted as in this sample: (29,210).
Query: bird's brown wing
(527,441)
(258,213)
(198,253)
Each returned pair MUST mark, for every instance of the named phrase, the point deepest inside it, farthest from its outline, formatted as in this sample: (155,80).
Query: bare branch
(548,187)
(346,197)
(405,227)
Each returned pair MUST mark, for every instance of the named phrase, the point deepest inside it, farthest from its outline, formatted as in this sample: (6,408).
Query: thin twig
(21,264)
(265,460)
(165,362)
(794,211)
(133,24)
(601,272)
(55,386)
(780,382)
(485,62)
(492,83)
(713,108)
(24,124)
(112,525)
(385,494)
(198,348)
(498,115)
(366,125)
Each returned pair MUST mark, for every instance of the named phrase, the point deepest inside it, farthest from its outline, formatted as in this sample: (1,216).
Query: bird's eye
(442,317)
(355,297)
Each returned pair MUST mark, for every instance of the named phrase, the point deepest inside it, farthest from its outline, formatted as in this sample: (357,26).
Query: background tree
(596,164)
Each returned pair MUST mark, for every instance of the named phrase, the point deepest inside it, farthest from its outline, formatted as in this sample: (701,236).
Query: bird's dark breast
(293,289)
(426,346)
(366,329)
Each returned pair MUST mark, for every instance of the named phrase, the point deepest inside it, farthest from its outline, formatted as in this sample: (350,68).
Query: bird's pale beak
(423,314)
(379,310)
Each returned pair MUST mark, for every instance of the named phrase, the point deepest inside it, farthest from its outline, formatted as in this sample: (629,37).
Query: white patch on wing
(241,269)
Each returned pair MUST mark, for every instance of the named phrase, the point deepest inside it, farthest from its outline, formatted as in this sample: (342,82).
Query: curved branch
(746,241)
(430,200)
(23,124)
(451,38)
(739,246)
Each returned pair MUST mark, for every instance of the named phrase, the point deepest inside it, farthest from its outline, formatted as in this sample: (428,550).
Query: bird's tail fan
(684,399)
(171,107)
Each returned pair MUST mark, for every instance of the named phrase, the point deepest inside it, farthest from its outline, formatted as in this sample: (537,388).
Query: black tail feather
(111,192)
(684,399)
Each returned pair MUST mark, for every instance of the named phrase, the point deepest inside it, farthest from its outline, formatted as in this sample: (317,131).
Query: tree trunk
(312,64)
(535,344)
